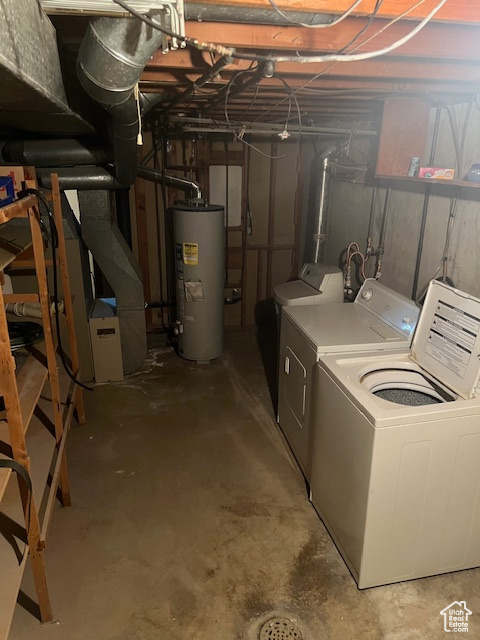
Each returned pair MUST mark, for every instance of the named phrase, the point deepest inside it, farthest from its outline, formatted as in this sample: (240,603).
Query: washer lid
(447,340)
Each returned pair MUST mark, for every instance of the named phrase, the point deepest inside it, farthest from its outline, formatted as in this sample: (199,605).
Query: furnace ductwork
(112,56)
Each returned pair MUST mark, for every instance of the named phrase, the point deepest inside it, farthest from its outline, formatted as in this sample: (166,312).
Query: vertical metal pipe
(383,229)
(426,201)
(423,225)
(372,214)
(318,236)
(226,211)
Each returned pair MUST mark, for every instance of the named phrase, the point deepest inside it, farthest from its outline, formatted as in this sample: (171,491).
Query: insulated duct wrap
(50,153)
(119,267)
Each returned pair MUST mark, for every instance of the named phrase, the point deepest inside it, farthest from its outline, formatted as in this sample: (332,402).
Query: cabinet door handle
(286,365)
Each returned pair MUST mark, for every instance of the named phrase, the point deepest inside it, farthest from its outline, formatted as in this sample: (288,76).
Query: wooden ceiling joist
(459,11)
(177,65)
(440,41)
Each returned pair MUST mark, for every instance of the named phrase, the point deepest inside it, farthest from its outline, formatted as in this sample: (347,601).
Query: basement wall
(349,211)
(263,251)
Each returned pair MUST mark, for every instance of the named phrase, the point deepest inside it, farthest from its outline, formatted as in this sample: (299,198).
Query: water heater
(200,279)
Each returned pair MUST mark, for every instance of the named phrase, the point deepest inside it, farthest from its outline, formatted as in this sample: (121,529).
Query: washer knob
(367,294)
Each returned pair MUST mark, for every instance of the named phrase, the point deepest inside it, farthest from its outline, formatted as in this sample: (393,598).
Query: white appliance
(397,482)
(378,319)
(317,284)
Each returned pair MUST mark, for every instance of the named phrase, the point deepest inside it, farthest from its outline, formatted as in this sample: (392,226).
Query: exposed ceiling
(442,61)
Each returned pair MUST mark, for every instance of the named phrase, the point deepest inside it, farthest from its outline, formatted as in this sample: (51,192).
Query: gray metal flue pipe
(173,181)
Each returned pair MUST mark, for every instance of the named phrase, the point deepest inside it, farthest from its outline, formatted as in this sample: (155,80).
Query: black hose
(53,239)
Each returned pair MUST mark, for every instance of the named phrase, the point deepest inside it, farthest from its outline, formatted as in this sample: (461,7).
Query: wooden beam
(439,40)
(463,11)
(368,86)
(178,66)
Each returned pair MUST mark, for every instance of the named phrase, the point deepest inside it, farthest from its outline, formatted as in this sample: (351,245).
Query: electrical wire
(53,239)
(444,260)
(240,137)
(323,25)
(365,28)
(257,88)
(329,57)
(459,145)
(361,44)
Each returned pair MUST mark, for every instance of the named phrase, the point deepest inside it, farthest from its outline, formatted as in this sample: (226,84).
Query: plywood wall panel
(232,316)
(281,267)
(403,135)
(347,218)
(284,196)
(259,194)
(250,293)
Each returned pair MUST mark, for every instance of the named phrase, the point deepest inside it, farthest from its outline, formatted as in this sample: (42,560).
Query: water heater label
(190,253)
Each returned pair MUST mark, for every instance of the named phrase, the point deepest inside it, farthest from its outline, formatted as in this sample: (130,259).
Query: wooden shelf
(15,237)
(18,209)
(34,439)
(13,548)
(33,373)
(432,182)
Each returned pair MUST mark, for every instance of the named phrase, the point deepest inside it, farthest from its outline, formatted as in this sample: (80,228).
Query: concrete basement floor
(190,522)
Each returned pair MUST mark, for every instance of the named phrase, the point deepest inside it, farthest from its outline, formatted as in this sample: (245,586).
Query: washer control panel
(396,310)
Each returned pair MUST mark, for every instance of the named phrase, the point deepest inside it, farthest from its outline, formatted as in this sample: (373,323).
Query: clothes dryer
(379,319)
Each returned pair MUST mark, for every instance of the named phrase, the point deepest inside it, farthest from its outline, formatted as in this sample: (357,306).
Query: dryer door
(295,385)
(296,363)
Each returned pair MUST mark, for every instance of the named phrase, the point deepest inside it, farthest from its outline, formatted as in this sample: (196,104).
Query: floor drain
(279,629)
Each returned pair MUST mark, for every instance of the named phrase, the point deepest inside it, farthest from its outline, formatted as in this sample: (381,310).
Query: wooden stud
(49,345)
(19,450)
(40,579)
(20,297)
(67,294)
(271,217)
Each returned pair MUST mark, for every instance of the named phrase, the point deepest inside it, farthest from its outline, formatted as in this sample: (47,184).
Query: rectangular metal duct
(100,7)
(117,263)
(30,73)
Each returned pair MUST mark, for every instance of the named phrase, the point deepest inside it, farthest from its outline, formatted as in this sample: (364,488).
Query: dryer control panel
(396,310)
(321,276)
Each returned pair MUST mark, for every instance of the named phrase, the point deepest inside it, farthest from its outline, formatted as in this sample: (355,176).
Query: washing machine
(396,448)
(317,284)
(380,318)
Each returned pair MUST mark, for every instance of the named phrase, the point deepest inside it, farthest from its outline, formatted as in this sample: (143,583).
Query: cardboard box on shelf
(436,173)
